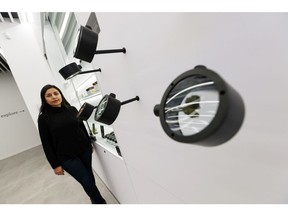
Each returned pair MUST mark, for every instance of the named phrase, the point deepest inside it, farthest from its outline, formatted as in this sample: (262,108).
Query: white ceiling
(66,30)
(14,18)
(7,17)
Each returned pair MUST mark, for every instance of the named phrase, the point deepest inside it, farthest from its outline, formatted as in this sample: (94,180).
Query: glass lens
(191,105)
(101,107)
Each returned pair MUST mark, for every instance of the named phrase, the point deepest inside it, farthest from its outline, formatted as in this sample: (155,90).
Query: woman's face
(53,97)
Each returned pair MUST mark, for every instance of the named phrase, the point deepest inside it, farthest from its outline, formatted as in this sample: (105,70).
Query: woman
(65,140)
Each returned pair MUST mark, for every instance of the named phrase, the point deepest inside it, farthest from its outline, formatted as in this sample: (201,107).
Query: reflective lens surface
(101,107)
(191,105)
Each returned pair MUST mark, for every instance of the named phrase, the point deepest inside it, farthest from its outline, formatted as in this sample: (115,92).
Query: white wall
(23,49)
(24,52)
(250,52)
(18,132)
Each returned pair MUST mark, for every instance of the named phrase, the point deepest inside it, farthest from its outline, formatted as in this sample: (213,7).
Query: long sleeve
(46,140)
(81,124)
(62,135)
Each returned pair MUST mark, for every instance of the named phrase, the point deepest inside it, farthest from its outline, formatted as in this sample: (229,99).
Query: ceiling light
(64,24)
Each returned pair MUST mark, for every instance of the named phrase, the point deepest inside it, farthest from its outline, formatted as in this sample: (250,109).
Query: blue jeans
(80,168)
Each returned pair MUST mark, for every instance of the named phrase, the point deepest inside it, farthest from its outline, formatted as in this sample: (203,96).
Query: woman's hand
(59,170)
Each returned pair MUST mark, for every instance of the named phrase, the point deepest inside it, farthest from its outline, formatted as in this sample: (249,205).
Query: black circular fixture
(72,69)
(109,108)
(106,111)
(85,111)
(86,44)
(199,107)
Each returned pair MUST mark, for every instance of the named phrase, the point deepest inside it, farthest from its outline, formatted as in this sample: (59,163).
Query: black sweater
(62,134)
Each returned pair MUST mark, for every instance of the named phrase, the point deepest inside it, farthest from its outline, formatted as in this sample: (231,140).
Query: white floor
(27,178)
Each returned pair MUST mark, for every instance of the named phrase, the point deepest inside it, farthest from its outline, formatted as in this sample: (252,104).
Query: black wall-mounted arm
(123,50)
(130,100)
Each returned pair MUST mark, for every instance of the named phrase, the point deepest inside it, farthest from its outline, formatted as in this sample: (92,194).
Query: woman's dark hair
(44,104)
